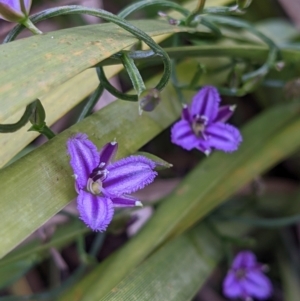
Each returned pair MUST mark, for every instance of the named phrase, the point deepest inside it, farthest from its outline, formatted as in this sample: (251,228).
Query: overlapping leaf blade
(41,63)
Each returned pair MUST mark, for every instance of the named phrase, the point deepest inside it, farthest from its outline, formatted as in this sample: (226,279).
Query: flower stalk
(29,25)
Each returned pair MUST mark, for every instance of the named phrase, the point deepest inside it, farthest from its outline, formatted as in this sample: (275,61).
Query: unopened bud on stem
(149,99)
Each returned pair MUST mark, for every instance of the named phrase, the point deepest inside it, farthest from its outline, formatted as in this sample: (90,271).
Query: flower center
(96,178)
(240,273)
(94,187)
(198,125)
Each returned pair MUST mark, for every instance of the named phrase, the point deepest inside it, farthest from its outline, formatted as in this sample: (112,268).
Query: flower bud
(14,10)
(38,117)
(149,99)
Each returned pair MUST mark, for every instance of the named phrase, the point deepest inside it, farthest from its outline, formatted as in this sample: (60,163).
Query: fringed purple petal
(224,137)
(84,158)
(231,286)
(257,285)
(224,113)
(128,175)
(126,201)
(108,153)
(95,211)
(185,114)
(183,135)
(244,259)
(206,103)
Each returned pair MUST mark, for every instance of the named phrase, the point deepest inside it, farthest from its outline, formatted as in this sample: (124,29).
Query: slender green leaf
(160,163)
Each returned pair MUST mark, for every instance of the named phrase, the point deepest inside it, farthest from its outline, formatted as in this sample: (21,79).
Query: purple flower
(14,10)
(103,185)
(203,124)
(246,279)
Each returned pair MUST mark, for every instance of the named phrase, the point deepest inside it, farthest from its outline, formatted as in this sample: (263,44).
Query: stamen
(94,173)
(94,187)
(198,126)
(203,119)
(98,171)
(99,175)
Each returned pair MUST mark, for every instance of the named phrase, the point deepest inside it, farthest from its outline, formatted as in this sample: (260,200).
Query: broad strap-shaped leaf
(40,63)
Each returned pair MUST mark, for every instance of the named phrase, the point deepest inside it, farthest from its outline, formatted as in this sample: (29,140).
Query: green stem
(146,3)
(195,80)
(197,11)
(97,244)
(46,131)
(28,24)
(112,90)
(274,52)
(222,10)
(13,127)
(87,110)
(199,7)
(134,73)
(213,27)
(249,51)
